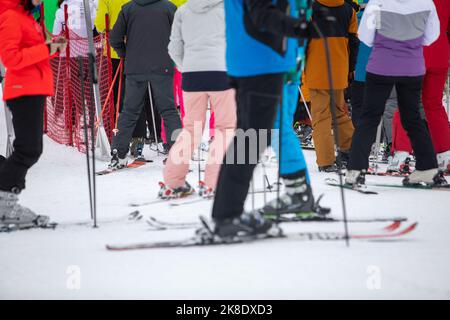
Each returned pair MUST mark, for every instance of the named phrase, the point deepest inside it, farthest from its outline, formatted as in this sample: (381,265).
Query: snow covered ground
(71,262)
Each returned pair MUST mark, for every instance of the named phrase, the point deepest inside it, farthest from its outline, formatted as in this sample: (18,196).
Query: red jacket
(24,53)
(438,54)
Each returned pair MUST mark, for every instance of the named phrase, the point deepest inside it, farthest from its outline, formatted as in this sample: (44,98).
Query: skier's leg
(437,118)
(298,197)
(344,123)
(28,121)
(377,91)
(224,108)
(292,159)
(408,91)
(132,109)
(162,91)
(177,165)
(257,102)
(357,99)
(321,123)
(388,115)
(400,141)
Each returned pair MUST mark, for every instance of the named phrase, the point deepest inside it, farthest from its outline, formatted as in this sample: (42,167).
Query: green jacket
(50,7)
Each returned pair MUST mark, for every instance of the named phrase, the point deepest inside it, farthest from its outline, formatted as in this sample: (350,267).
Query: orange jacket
(343,43)
(24,53)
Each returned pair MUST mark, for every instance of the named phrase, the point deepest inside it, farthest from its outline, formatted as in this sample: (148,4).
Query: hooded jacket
(197,42)
(146,26)
(343,44)
(438,54)
(23,53)
(197,45)
(397,30)
(111,8)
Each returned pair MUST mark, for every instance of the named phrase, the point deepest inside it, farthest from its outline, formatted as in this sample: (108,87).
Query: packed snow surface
(71,262)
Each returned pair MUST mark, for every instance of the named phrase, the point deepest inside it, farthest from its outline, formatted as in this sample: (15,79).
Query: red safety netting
(64,112)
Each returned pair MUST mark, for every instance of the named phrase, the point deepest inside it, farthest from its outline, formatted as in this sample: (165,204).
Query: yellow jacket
(178,2)
(111,7)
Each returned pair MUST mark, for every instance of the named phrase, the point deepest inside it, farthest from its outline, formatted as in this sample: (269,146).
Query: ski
(133,165)
(134,216)
(358,188)
(201,241)
(131,217)
(411,186)
(159,225)
(172,202)
(191,201)
(41,222)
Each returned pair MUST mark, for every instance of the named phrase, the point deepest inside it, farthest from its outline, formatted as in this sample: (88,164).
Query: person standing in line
(343,51)
(141,36)
(197,45)
(437,61)
(28,81)
(112,9)
(403,27)
(262,46)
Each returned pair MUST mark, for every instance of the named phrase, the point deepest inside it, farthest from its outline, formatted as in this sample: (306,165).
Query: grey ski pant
(136,89)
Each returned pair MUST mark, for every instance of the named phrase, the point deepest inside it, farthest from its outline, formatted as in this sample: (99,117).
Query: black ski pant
(135,92)
(28,122)
(257,101)
(140,130)
(357,100)
(377,91)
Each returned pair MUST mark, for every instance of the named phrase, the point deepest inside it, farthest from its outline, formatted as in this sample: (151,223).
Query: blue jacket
(363,54)
(245,55)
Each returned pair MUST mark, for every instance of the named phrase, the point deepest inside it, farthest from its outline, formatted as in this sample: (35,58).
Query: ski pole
(153,117)
(86,138)
(334,117)
(304,103)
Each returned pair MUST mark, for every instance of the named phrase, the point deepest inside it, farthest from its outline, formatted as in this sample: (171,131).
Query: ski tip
(412,227)
(393,226)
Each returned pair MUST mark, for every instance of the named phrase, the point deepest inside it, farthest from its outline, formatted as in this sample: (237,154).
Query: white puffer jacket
(197,42)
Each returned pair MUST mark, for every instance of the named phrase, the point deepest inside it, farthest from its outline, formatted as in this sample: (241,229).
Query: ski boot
(298,198)
(167,193)
(432,178)
(400,163)
(13,216)
(444,161)
(248,225)
(137,147)
(204,191)
(386,153)
(342,159)
(355,177)
(116,162)
(304,132)
(329,169)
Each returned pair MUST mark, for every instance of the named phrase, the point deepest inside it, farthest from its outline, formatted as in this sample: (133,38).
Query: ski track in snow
(39,263)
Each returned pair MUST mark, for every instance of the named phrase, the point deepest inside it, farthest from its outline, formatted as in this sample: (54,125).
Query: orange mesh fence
(64,112)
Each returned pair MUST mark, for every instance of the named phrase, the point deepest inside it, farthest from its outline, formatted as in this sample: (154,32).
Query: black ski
(358,188)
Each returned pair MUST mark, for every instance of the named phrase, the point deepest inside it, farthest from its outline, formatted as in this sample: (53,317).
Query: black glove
(355,6)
